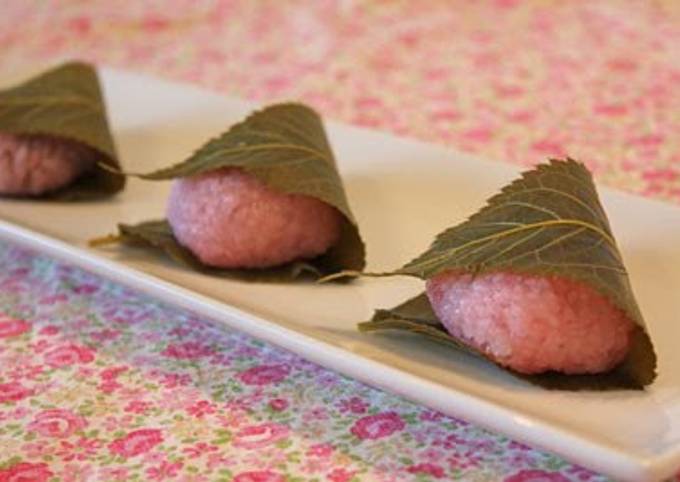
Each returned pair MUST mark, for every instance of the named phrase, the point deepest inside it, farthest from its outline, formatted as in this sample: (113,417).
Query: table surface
(101,383)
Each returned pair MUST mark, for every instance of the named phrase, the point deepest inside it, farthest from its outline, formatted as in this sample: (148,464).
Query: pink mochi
(228,218)
(533,324)
(37,164)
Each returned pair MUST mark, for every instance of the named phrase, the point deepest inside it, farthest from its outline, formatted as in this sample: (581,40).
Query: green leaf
(66,102)
(548,222)
(158,235)
(417,317)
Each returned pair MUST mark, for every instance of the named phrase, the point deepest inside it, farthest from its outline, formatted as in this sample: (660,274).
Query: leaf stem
(357,274)
(114,170)
(105,240)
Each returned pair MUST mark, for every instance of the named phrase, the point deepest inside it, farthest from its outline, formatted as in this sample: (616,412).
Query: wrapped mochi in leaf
(264,200)
(54,137)
(535,283)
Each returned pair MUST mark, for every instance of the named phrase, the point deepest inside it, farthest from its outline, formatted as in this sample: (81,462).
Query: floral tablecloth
(101,383)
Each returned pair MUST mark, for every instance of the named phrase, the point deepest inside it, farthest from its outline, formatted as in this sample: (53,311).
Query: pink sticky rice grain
(37,164)
(230,219)
(532,324)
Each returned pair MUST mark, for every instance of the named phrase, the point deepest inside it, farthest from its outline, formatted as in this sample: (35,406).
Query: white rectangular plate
(403,192)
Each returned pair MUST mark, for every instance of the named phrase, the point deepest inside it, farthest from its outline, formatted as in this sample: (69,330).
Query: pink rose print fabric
(100,383)
(377,426)
(66,355)
(26,472)
(13,392)
(136,442)
(57,423)
(264,374)
(9,327)
(510,80)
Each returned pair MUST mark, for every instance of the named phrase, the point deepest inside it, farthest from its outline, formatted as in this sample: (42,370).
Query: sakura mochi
(534,282)
(264,201)
(230,219)
(55,140)
(34,165)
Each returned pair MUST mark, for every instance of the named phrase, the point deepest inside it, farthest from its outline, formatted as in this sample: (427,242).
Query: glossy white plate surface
(403,192)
